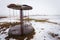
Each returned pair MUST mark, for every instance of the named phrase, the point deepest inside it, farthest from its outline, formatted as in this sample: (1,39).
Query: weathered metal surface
(19,7)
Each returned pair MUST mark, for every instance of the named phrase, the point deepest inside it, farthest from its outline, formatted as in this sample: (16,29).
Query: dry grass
(36,20)
(9,24)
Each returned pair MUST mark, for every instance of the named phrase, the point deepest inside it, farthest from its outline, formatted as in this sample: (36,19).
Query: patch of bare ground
(9,24)
(5,26)
(3,17)
(41,20)
(54,35)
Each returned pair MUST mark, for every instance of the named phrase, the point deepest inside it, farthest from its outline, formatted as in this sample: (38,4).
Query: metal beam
(21,20)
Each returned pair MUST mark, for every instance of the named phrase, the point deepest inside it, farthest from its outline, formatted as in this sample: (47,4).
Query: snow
(9,20)
(47,29)
(42,29)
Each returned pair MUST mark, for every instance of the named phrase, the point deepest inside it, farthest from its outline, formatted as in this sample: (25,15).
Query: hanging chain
(9,16)
(13,12)
(16,13)
(28,15)
(24,16)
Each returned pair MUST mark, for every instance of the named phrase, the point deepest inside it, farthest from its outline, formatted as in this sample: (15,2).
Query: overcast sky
(41,7)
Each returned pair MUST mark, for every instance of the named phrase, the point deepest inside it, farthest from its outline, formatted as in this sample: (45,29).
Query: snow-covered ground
(9,19)
(43,30)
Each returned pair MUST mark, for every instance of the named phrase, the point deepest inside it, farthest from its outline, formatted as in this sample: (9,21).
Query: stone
(16,30)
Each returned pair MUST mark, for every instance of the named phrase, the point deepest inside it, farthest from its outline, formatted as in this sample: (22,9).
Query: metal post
(21,19)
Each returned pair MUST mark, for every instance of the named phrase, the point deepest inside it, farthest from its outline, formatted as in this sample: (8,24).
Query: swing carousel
(25,27)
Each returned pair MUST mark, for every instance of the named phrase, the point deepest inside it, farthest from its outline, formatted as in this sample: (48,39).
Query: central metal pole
(21,19)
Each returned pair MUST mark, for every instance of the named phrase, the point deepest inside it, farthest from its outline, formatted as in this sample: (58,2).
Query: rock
(42,28)
(53,34)
(58,37)
(16,30)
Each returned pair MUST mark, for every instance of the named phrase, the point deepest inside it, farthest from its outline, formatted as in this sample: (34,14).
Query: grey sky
(42,7)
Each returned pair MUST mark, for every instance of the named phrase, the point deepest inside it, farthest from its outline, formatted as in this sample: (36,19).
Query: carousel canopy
(19,7)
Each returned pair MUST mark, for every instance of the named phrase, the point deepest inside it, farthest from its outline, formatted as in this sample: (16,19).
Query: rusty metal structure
(21,8)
